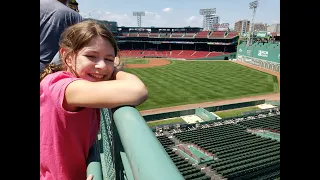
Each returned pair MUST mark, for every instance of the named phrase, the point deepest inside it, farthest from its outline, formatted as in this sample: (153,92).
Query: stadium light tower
(206,16)
(139,14)
(253,5)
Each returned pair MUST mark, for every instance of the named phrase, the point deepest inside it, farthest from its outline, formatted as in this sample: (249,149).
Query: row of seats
(185,54)
(240,154)
(271,123)
(186,169)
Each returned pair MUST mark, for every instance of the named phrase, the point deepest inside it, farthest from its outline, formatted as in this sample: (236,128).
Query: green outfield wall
(223,57)
(174,114)
(265,55)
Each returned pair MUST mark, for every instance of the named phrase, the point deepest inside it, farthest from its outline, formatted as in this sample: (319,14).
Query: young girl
(72,93)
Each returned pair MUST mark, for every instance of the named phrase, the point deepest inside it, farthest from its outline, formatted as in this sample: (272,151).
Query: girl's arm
(126,89)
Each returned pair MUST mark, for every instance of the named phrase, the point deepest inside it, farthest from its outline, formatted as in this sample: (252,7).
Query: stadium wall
(266,55)
(223,57)
(166,115)
(204,114)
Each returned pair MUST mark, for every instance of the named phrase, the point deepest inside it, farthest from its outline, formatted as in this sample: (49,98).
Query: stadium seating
(217,34)
(185,54)
(177,34)
(240,154)
(184,44)
(189,35)
(143,34)
(202,34)
(232,34)
(154,35)
(187,170)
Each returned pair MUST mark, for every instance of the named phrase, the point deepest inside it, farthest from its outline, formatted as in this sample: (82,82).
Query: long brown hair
(75,37)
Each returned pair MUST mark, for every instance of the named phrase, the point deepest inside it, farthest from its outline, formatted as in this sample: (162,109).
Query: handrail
(147,158)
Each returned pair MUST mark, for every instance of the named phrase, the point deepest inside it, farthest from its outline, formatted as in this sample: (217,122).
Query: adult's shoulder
(56,11)
(70,11)
(70,15)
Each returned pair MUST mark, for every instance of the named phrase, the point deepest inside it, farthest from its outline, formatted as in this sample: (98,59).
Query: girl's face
(94,62)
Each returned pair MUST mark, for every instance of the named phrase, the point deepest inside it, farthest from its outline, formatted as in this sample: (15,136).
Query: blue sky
(178,13)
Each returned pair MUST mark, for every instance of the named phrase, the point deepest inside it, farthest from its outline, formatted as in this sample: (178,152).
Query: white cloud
(194,21)
(167,9)
(84,14)
(121,19)
(153,20)
(150,19)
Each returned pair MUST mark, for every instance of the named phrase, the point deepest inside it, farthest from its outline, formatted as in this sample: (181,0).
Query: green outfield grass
(169,121)
(235,112)
(135,61)
(186,82)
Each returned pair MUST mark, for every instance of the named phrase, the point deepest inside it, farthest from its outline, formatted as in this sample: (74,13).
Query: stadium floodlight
(139,14)
(206,16)
(207,11)
(253,5)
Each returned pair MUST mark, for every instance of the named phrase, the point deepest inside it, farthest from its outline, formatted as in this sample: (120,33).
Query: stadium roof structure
(152,27)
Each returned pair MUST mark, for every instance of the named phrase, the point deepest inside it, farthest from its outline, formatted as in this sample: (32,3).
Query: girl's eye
(106,59)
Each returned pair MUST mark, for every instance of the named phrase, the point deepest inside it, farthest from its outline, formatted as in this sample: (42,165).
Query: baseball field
(177,82)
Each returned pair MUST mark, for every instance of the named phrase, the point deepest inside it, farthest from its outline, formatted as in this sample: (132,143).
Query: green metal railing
(94,162)
(147,158)
(129,150)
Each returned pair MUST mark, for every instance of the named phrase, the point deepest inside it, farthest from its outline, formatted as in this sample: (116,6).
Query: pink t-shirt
(65,137)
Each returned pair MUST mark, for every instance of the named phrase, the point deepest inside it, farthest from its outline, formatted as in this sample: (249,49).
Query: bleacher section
(271,123)
(177,35)
(192,43)
(232,34)
(185,54)
(187,170)
(213,54)
(143,34)
(217,34)
(154,35)
(133,34)
(189,35)
(239,153)
(202,34)
(125,34)
(164,34)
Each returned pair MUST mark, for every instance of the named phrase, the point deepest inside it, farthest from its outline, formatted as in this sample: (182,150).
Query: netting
(107,159)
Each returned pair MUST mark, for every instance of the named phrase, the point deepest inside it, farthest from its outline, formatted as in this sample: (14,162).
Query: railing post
(117,150)
(94,162)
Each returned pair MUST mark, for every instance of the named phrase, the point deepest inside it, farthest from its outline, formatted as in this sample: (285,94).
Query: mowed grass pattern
(135,61)
(190,82)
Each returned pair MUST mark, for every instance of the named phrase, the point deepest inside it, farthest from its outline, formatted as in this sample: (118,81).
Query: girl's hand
(111,76)
(90,177)
(114,73)
(119,64)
